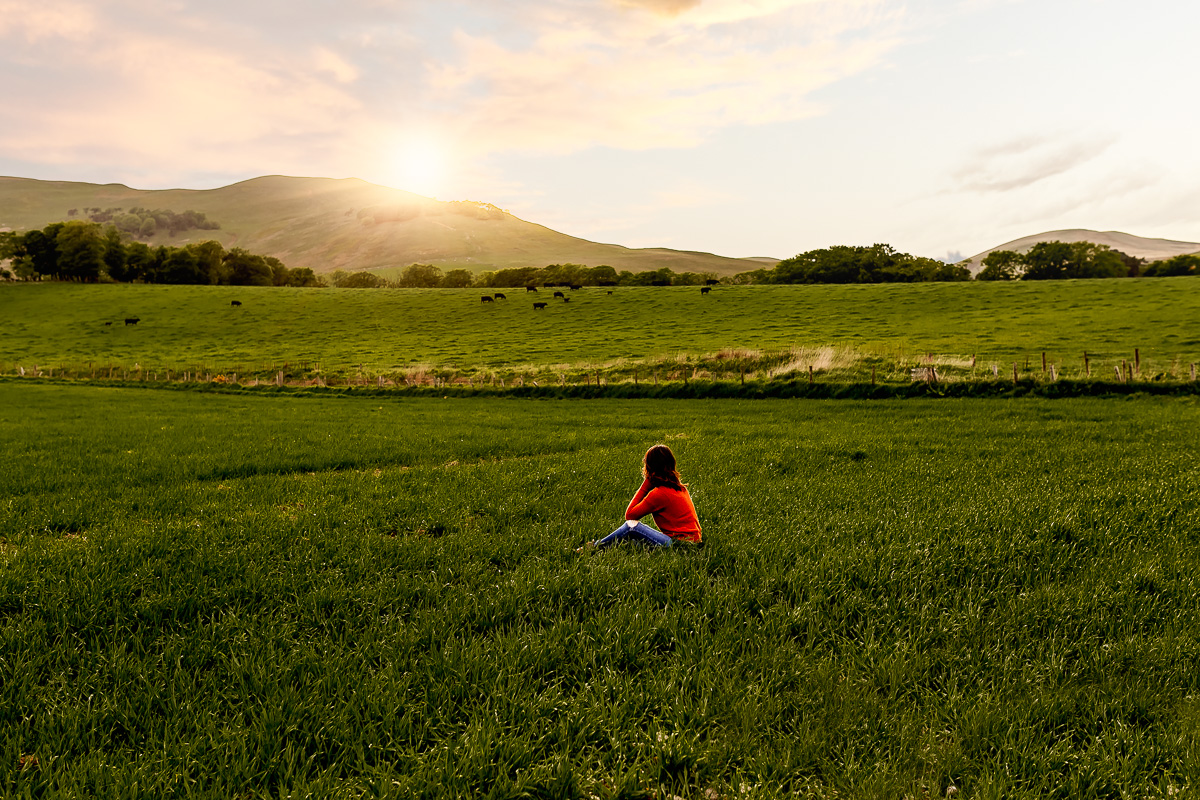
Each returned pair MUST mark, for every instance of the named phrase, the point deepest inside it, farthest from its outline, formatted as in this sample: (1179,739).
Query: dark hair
(659,467)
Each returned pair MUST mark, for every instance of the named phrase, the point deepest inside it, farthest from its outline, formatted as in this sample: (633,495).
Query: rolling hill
(327,224)
(1138,246)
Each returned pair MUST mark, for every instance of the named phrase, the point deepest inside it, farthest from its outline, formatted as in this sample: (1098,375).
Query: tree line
(91,252)
(144,223)
(428,276)
(879,263)
(1060,260)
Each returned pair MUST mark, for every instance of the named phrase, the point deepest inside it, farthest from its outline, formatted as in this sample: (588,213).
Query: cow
(566,299)
(132,320)
(486,299)
(537,306)
(560,294)
(500,296)
(531,288)
(610,291)
(711,282)
(575,286)
(108,323)
(660,283)
(235,302)
(705,289)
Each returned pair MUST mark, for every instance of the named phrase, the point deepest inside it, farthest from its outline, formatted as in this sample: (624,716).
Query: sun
(420,167)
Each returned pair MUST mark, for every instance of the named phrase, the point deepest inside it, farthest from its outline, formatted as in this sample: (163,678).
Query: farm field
(254,595)
(843,331)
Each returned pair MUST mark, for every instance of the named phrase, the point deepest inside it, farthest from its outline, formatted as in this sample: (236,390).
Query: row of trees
(879,263)
(90,252)
(145,223)
(1060,260)
(427,276)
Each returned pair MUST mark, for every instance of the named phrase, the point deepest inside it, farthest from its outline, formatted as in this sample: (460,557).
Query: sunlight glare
(420,167)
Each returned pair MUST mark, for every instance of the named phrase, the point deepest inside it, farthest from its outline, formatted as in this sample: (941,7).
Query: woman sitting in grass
(665,496)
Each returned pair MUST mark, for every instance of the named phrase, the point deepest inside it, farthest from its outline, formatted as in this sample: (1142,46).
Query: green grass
(240,595)
(842,330)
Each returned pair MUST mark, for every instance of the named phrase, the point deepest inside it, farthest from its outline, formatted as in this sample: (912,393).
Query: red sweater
(673,511)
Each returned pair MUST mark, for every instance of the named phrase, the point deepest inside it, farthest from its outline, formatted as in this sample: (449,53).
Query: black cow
(536,306)
(610,291)
(566,299)
(235,302)
(108,323)
(531,288)
(711,282)
(705,289)
(500,296)
(132,320)
(660,283)
(485,299)
(560,294)
(574,286)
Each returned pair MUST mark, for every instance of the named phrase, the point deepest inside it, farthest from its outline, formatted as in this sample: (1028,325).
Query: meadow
(272,596)
(407,335)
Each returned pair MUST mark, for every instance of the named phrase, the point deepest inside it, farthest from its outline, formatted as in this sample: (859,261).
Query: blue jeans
(640,532)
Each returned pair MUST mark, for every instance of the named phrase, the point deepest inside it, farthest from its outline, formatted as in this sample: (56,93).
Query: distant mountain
(1138,246)
(329,224)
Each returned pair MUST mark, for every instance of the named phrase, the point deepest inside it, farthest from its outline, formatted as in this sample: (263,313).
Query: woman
(665,496)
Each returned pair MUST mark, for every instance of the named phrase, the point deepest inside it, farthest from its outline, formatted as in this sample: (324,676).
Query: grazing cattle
(235,302)
(711,282)
(108,323)
(500,296)
(705,289)
(566,299)
(537,306)
(610,291)
(575,286)
(485,299)
(560,294)
(132,320)
(531,288)
(606,283)
(660,283)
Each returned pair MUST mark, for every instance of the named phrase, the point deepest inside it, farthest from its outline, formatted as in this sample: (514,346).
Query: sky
(738,127)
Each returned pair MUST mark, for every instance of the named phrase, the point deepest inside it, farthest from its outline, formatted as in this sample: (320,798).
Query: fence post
(1137,361)
(1087,365)
(810,373)
(1043,362)
(1014,372)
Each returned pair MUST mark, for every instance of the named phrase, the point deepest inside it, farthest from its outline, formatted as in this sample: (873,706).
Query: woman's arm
(640,505)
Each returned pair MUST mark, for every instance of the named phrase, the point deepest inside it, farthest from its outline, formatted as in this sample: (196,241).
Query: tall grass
(253,595)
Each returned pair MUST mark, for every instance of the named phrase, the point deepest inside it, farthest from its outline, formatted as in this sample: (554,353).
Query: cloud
(1024,161)
(666,7)
(655,80)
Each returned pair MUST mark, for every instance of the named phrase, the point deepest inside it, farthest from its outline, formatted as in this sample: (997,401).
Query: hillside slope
(329,224)
(1138,246)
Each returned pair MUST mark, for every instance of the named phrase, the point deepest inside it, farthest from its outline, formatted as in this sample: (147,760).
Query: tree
(114,254)
(148,228)
(362,280)
(1179,265)
(247,269)
(210,257)
(458,279)
(423,276)
(1001,265)
(1047,261)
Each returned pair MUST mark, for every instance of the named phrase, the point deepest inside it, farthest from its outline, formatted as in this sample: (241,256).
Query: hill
(327,224)
(1137,246)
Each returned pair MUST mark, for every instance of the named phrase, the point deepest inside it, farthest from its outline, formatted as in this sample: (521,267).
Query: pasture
(842,331)
(270,596)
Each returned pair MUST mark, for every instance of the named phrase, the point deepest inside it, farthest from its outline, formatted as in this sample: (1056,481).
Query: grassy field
(256,596)
(843,331)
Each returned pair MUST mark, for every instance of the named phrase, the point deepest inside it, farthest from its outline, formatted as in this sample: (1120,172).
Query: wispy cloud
(1025,161)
